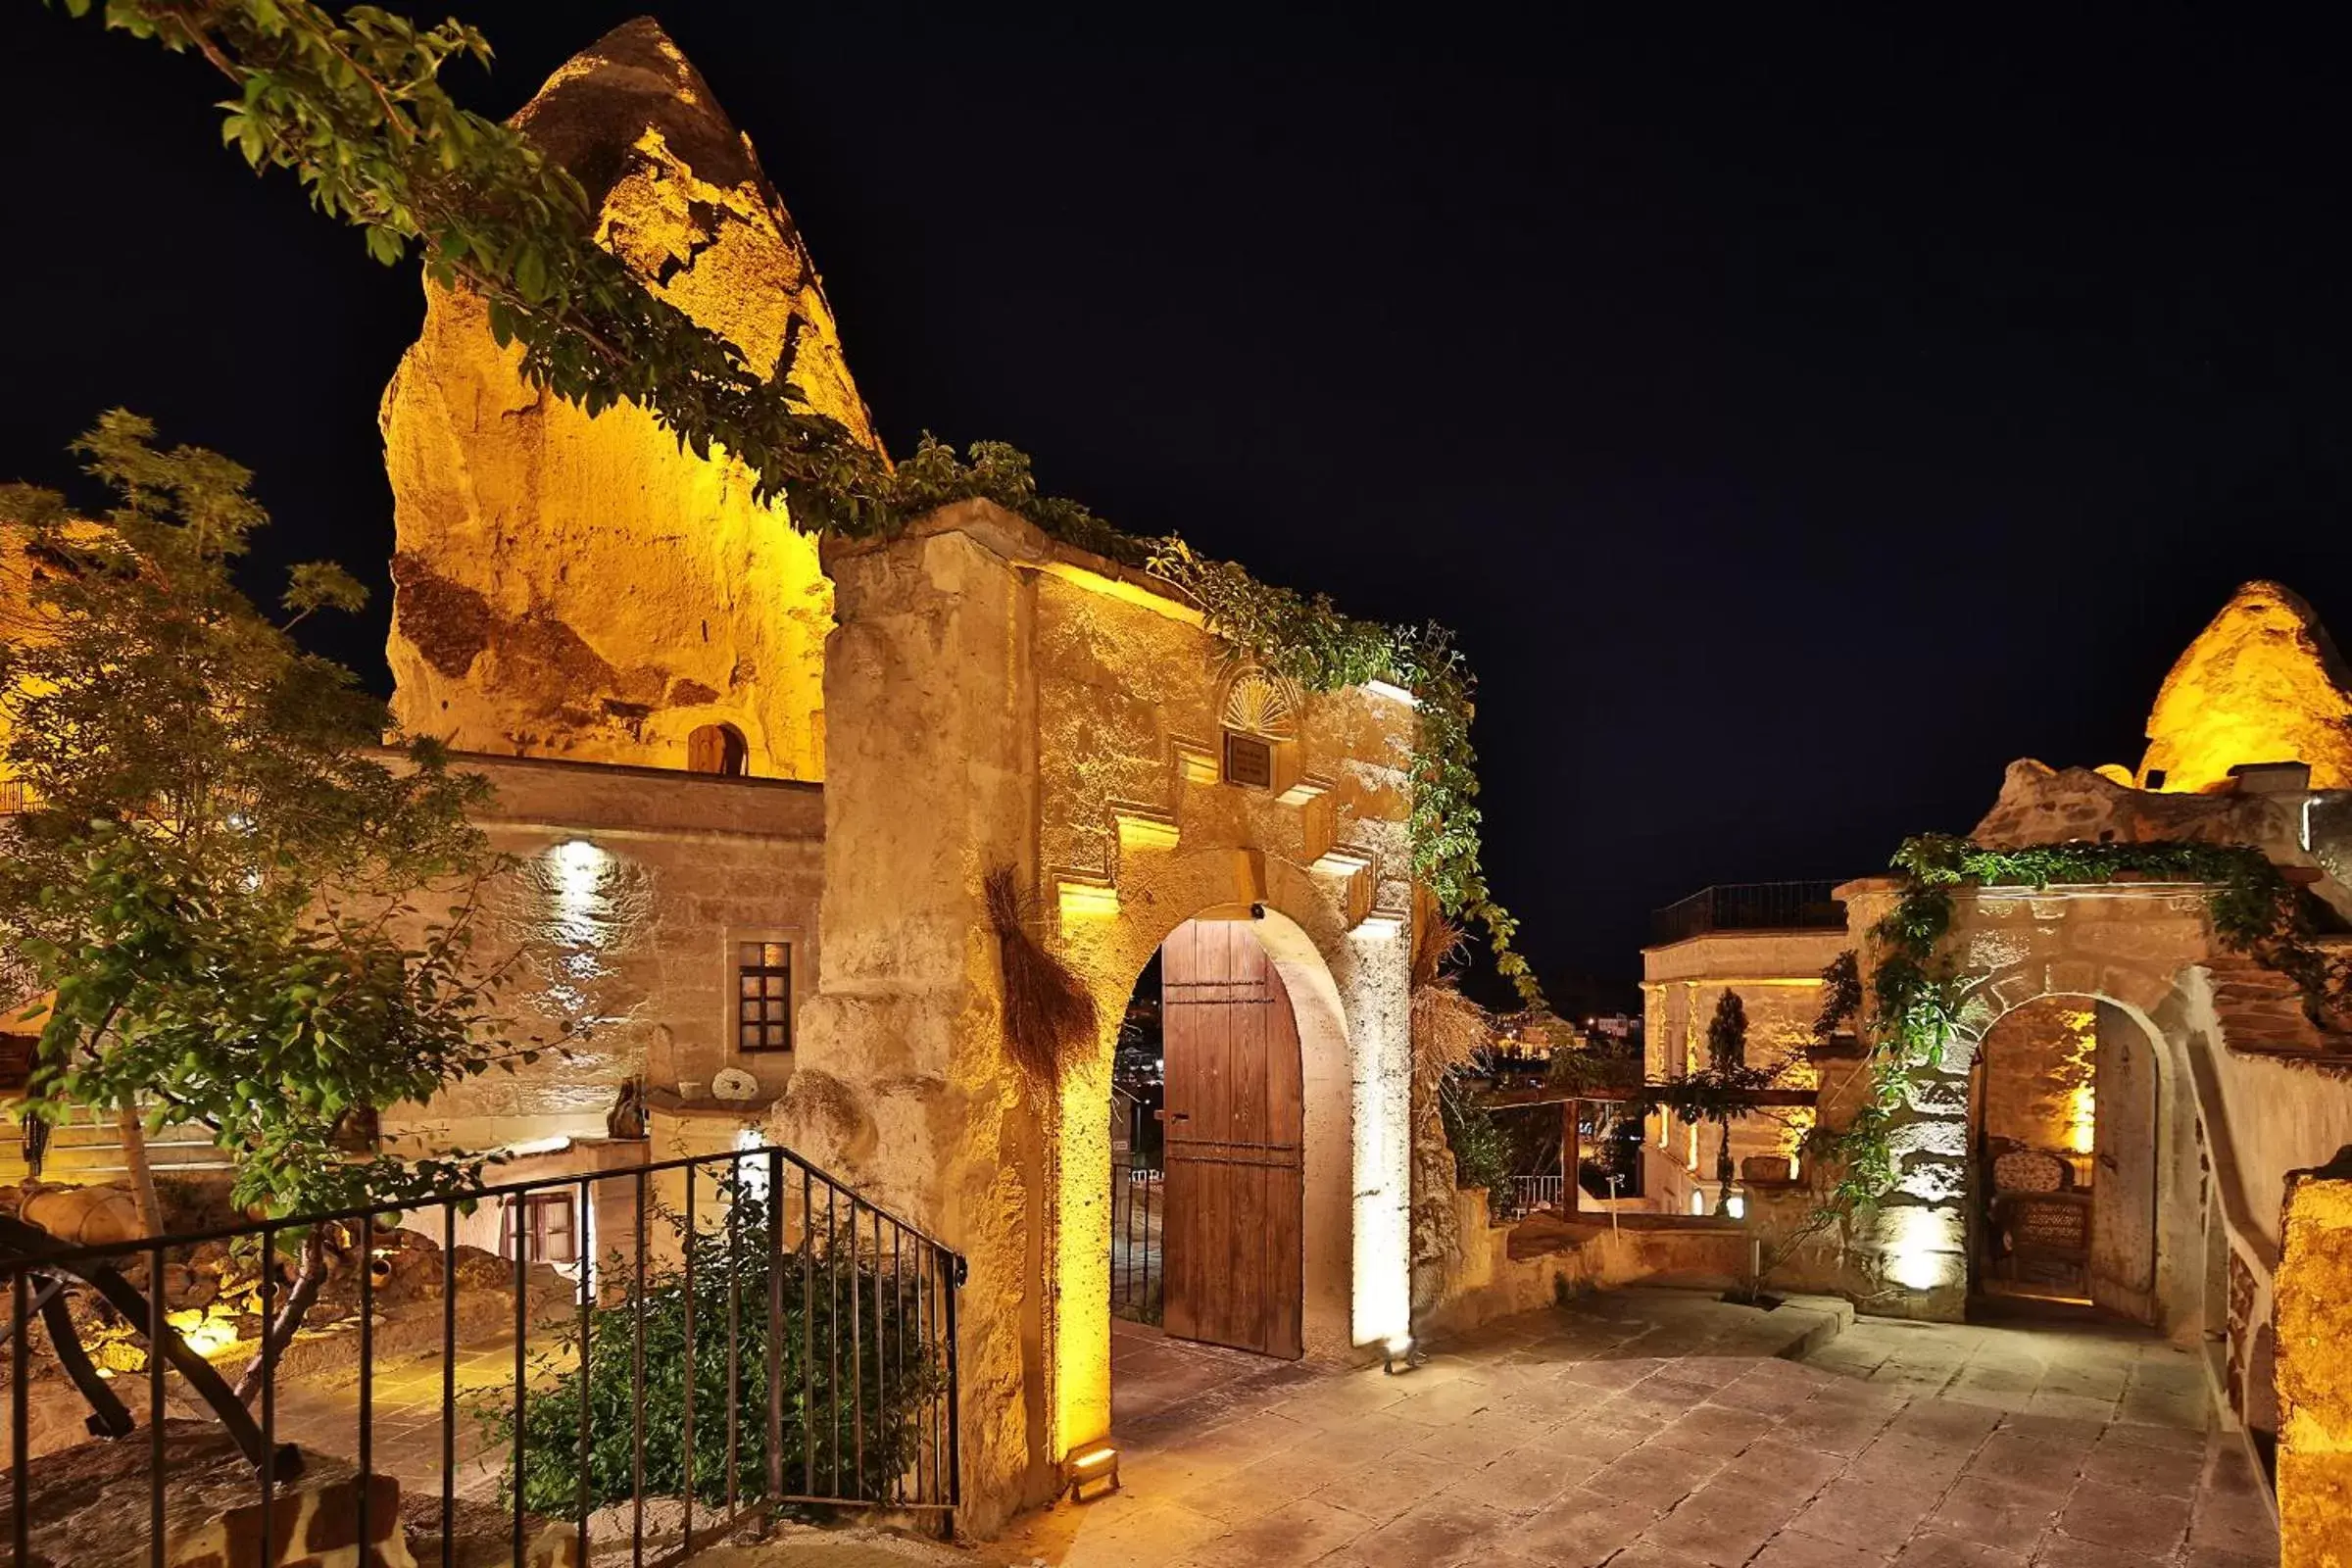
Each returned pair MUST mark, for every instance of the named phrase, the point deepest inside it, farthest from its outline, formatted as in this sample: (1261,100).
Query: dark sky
(1796,426)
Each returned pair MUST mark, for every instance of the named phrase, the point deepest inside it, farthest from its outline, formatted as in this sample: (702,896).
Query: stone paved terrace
(1644,1430)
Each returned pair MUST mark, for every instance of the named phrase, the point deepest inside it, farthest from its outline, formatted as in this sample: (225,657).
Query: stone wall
(573,587)
(2314,1381)
(630,890)
(2037,1076)
(998,701)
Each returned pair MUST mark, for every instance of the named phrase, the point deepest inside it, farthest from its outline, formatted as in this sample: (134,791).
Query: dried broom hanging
(1049,1013)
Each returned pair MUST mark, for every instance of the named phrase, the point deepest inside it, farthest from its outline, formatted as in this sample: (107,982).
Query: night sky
(1796,427)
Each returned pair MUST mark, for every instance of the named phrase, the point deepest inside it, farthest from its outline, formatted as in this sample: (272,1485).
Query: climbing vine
(353,107)
(1916,991)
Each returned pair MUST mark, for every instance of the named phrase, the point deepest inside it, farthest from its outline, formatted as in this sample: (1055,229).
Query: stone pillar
(2313,1318)
(1908,1255)
(902,1084)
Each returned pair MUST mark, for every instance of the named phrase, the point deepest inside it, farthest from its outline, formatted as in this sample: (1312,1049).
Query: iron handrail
(891,1440)
(1805,906)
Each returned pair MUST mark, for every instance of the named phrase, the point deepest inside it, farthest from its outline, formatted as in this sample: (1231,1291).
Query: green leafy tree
(239,910)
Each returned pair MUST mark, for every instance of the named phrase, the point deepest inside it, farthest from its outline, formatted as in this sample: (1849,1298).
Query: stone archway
(2123,949)
(1344,984)
(2130,1154)
(996,700)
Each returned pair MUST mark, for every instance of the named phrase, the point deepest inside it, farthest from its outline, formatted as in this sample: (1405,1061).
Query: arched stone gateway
(2193,1031)
(998,699)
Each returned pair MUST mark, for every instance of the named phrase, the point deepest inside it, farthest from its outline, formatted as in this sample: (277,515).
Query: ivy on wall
(351,106)
(1916,991)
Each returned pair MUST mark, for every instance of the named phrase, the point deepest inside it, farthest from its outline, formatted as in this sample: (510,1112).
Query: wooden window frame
(534,1210)
(762,985)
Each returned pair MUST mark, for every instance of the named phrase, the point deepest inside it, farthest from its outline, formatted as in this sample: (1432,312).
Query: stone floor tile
(1655,1477)
(2020,1461)
(1722,1525)
(2065,1551)
(1592,1435)
(1475,1440)
(2131,1521)
(1526,1480)
(1768,1462)
(1367,1437)
(2071,1407)
(1945,1421)
(1148,1539)
(1261,1488)
(1997,1513)
(2149,1435)
(1718,1429)
(2063,1430)
(2168,1473)
(1579,1531)
(1767,1396)
(2212,1557)
(1641,1554)
(1933,1550)
(1875,1515)
(1288,1538)
(1433,1534)
(1445,1404)
(1793,1550)
(2241,1525)
(1833,1427)
(1387,1487)
(1610,1374)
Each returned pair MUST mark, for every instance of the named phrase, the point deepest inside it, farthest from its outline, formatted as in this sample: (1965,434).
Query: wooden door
(1234,1232)
(2123,1183)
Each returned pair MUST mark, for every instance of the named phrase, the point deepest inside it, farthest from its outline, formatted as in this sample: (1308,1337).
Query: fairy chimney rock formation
(574,587)
(2262,683)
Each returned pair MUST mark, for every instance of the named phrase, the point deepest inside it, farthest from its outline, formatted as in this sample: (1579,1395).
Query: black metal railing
(752,1339)
(1138,1212)
(1749,906)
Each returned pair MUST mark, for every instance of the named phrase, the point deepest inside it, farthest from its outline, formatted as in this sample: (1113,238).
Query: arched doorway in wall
(1209,1146)
(2065,1132)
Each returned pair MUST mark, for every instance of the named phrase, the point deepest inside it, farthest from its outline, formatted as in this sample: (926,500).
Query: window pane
(748,955)
(749,1038)
(778,954)
(750,985)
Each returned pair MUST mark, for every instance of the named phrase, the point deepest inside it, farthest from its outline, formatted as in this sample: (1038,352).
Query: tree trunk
(309,1281)
(142,1174)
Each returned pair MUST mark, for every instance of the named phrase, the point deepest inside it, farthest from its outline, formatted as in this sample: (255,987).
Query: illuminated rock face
(2262,683)
(2315,1391)
(568,587)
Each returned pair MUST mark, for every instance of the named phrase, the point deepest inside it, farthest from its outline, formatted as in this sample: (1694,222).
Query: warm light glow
(1088,901)
(2254,687)
(1922,1247)
(2081,1118)
(1127,592)
(1140,832)
(1081,1327)
(201,1332)
(1093,1460)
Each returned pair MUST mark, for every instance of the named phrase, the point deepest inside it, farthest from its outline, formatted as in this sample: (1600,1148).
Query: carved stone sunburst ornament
(1259,704)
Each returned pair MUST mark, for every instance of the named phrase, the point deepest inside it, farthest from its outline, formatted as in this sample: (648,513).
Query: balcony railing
(653,1359)
(1749,906)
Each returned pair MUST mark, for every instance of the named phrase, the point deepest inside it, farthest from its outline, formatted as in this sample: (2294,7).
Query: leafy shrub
(858,1384)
